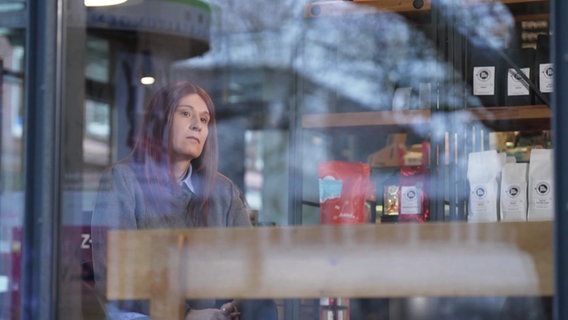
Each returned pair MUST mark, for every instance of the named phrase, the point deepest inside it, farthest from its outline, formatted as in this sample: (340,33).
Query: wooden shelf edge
(364,119)
(396,5)
(406,118)
(509,113)
(341,7)
(327,8)
(522,1)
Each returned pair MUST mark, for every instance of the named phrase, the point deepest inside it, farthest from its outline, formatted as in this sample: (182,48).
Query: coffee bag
(513,197)
(541,189)
(344,188)
(482,173)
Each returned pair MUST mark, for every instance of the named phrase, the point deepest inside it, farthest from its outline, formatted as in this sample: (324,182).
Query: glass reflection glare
(147,80)
(103,3)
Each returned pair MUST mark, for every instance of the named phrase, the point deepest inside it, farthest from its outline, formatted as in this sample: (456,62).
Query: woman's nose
(195,124)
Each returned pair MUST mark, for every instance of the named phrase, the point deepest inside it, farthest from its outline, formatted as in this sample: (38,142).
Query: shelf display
(502,91)
(482,119)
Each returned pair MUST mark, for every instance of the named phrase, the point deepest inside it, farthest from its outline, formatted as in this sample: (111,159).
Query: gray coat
(128,200)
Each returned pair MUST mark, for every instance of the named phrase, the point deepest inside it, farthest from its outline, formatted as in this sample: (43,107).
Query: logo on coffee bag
(542,188)
(480,192)
(513,191)
(484,74)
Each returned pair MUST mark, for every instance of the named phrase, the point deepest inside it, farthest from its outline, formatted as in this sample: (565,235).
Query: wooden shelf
(408,5)
(522,1)
(501,118)
(396,120)
(534,117)
(396,5)
(510,113)
(327,8)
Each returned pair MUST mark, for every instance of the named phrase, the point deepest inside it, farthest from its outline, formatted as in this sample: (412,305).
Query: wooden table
(394,260)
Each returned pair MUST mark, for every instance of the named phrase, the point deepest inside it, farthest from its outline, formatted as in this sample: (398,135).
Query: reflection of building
(185,19)
(252,106)
(124,43)
(98,102)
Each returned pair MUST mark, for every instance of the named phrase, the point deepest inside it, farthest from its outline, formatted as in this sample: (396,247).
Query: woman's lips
(193,138)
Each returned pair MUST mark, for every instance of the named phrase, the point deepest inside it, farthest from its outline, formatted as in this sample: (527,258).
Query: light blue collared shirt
(187,179)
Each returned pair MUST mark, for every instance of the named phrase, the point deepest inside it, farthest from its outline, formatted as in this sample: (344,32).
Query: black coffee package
(544,70)
(485,74)
(518,91)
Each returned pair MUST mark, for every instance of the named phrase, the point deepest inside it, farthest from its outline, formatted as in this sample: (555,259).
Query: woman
(170,180)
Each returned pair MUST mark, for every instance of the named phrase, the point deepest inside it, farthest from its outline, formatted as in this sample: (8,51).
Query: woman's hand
(206,314)
(230,309)
(226,312)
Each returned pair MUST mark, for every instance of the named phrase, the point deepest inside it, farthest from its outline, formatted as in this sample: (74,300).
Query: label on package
(542,197)
(516,85)
(484,81)
(329,188)
(546,71)
(514,199)
(410,200)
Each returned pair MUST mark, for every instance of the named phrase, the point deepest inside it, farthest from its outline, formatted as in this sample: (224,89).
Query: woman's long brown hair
(154,145)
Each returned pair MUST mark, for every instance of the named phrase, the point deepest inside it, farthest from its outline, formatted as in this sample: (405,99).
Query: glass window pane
(12,49)
(356,141)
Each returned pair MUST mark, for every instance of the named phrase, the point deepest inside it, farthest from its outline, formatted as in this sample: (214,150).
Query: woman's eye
(204,120)
(185,113)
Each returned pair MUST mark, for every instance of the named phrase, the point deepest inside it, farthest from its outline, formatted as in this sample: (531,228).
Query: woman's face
(189,129)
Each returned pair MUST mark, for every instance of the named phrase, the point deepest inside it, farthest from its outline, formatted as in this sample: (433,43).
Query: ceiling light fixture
(149,80)
(102,3)
(147,77)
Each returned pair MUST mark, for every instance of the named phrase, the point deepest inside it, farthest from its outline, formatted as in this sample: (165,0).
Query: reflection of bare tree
(353,60)
(365,57)
(487,23)
(360,57)
(254,16)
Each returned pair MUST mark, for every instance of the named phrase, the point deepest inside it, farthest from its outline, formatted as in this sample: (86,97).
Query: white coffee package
(483,172)
(502,158)
(502,161)
(513,198)
(540,188)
